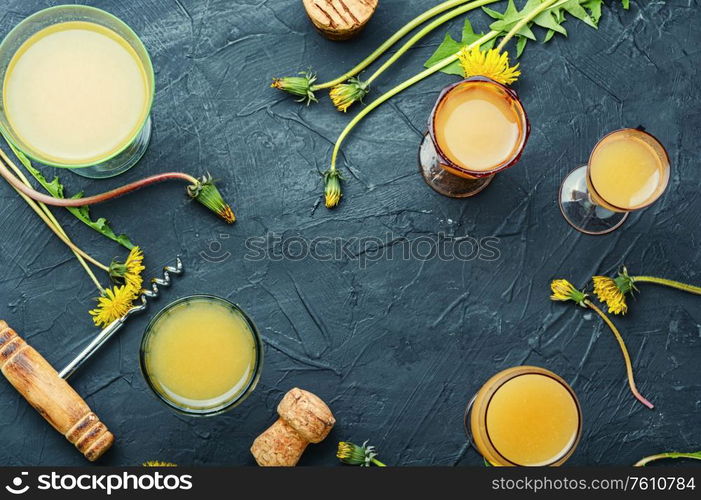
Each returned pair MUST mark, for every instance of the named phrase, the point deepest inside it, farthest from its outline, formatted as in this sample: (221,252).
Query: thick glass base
(580,212)
(123,161)
(443,181)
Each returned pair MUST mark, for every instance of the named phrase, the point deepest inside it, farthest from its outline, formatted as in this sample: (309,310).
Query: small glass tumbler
(524,416)
(219,404)
(446,175)
(117,161)
(627,171)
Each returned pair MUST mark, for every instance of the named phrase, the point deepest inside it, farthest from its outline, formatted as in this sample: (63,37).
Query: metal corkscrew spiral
(112,328)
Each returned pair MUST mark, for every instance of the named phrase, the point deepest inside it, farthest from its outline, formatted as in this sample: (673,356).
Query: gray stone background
(396,347)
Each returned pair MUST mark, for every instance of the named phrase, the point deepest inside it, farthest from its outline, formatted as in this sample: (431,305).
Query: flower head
(129,271)
(563,291)
(345,95)
(612,291)
(205,192)
(301,86)
(352,454)
(332,188)
(114,303)
(490,63)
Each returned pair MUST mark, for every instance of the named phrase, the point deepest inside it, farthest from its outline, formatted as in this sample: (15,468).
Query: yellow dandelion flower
(332,191)
(610,294)
(490,63)
(114,303)
(130,271)
(563,291)
(345,95)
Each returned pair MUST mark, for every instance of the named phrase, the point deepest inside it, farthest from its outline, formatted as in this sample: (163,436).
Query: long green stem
(661,456)
(425,31)
(396,90)
(624,351)
(378,463)
(417,21)
(50,220)
(523,22)
(665,282)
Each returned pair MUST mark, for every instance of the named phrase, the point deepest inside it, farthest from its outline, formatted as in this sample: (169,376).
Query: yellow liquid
(76,93)
(628,170)
(525,416)
(532,420)
(201,354)
(478,126)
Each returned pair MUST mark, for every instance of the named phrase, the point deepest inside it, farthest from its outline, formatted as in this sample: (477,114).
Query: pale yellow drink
(76,93)
(478,126)
(525,416)
(200,354)
(628,169)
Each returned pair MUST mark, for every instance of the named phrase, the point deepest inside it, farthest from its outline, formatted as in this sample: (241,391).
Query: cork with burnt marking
(340,19)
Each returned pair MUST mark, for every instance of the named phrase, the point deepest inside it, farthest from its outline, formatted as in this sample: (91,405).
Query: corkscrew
(47,390)
(117,324)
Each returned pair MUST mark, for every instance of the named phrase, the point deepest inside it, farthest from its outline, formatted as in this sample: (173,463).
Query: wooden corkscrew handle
(38,382)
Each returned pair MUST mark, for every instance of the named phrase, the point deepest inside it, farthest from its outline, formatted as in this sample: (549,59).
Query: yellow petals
(491,64)
(332,190)
(610,294)
(114,303)
(563,290)
(134,267)
(345,95)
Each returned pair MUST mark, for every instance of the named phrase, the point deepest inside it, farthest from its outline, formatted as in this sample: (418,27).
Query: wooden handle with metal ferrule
(51,396)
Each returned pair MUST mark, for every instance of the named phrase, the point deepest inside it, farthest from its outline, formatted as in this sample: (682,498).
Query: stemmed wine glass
(477,128)
(628,170)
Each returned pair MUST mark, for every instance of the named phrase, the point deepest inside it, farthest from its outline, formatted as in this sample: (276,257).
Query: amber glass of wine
(628,170)
(524,416)
(477,128)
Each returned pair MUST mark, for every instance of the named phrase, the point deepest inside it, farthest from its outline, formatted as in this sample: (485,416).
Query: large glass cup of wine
(477,128)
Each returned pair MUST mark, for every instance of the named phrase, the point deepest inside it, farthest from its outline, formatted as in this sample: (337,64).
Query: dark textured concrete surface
(396,347)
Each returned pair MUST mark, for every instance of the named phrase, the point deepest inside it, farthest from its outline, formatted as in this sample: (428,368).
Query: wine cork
(304,418)
(340,19)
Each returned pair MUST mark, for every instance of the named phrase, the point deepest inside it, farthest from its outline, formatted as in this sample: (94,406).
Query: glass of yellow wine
(477,128)
(77,91)
(628,170)
(524,416)
(201,355)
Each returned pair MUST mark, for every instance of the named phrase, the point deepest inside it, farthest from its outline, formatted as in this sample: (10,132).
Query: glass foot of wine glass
(443,181)
(580,212)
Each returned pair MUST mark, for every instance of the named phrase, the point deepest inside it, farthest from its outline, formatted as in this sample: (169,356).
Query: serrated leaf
(450,47)
(520,45)
(56,189)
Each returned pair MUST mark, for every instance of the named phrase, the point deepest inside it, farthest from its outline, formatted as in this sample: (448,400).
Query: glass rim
(504,165)
(494,387)
(639,130)
(227,405)
(148,67)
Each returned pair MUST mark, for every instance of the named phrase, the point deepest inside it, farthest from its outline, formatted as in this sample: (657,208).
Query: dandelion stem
(378,463)
(45,214)
(665,282)
(90,200)
(396,90)
(391,41)
(660,456)
(425,31)
(523,22)
(624,351)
